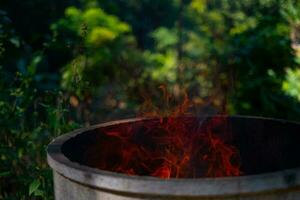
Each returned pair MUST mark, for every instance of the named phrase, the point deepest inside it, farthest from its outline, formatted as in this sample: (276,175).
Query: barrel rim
(117,182)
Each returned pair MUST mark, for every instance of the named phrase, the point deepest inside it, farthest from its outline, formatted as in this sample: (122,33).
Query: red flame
(174,146)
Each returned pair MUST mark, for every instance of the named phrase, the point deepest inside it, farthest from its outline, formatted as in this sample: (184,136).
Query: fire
(174,145)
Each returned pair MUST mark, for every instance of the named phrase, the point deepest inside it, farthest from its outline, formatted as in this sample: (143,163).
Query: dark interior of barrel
(264,145)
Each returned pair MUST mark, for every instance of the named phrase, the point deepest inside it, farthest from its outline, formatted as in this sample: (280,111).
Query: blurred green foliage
(291,85)
(29,118)
(65,64)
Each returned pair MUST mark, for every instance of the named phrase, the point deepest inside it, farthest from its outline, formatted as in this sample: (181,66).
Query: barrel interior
(264,145)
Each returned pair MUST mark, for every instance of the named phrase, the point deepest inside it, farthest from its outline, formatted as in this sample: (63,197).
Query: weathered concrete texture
(66,189)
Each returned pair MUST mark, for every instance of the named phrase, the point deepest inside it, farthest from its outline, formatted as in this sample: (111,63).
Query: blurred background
(69,64)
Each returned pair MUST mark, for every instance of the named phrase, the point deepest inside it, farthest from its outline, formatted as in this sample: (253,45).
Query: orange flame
(175,146)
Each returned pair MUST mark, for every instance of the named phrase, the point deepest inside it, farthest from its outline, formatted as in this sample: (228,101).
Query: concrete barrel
(271,147)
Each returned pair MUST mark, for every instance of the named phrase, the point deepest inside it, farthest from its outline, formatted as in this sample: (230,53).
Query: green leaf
(34,186)
(3,174)
(15,41)
(39,193)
